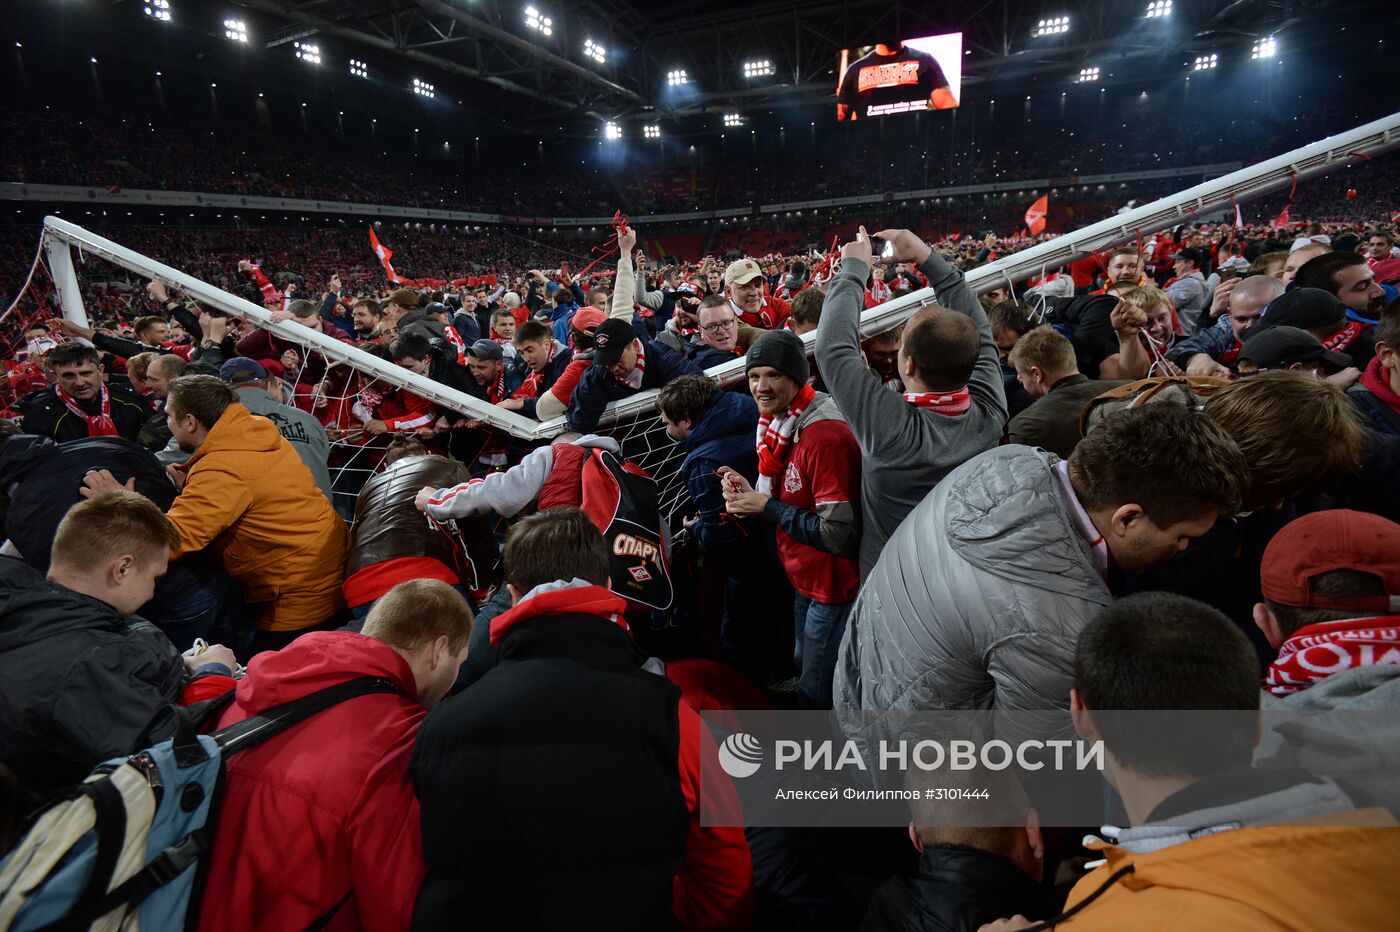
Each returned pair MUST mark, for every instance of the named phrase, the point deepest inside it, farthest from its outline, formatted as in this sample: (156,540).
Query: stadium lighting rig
(358,68)
(538,21)
(1264,48)
(651,131)
(1056,25)
(235,30)
(595,51)
(611,130)
(424,89)
(677,77)
(733,119)
(1206,62)
(1088,74)
(758,69)
(157,10)
(1158,9)
(308,52)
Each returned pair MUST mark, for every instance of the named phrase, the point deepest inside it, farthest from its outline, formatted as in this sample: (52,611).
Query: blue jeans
(818,641)
(197,599)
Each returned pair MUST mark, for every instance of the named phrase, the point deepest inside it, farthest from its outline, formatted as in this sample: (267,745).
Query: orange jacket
(248,493)
(1305,875)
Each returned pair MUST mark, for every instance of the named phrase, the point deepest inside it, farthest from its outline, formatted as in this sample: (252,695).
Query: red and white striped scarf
(497,393)
(1340,340)
(949,403)
(99,424)
(1317,651)
(634,378)
(879,292)
(774,442)
(456,340)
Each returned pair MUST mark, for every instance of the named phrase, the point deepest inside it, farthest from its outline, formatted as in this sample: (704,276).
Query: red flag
(384,254)
(1035,215)
(1395,216)
(1281,220)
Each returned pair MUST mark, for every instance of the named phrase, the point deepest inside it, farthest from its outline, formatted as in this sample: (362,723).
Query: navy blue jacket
(599,386)
(707,357)
(724,436)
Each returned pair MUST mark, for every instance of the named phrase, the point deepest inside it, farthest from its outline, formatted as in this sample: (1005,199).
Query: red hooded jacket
(324,810)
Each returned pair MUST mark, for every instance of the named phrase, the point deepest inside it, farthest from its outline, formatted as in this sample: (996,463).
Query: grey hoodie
(306,434)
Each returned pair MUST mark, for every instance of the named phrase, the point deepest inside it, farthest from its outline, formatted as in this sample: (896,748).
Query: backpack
(1189,390)
(622,501)
(121,851)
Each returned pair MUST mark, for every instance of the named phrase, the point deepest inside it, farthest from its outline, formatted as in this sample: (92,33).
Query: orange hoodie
(1337,872)
(248,493)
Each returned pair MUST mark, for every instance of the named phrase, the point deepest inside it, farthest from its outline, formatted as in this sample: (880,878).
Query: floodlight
(358,68)
(758,69)
(235,30)
(538,21)
(157,9)
(1265,48)
(1206,62)
(424,89)
(733,119)
(677,77)
(308,52)
(651,132)
(612,130)
(595,51)
(1051,27)
(1159,8)
(1088,74)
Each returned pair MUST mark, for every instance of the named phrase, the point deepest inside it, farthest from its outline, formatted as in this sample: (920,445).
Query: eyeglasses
(718,328)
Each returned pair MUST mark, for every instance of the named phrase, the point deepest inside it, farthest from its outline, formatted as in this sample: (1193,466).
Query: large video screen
(900,77)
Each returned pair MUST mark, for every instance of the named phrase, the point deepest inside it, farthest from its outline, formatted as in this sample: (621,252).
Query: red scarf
(1232,354)
(1375,380)
(949,403)
(497,393)
(775,438)
(1317,651)
(98,425)
(1340,340)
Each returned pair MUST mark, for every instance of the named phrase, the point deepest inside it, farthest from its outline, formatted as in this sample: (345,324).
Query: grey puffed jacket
(978,599)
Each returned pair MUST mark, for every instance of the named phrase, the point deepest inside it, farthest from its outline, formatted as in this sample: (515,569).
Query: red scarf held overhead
(775,438)
(949,403)
(1317,651)
(1376,380)
(99,424)
(1340,340)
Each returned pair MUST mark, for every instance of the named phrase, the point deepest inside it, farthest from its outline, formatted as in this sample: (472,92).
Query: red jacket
(823,467)
(325,809)
(772,316)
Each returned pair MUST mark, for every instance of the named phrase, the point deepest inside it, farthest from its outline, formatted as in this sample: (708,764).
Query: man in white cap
(745,285)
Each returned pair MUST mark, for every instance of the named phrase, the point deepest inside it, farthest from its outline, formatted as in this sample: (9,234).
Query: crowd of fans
(1180,459)
(136,144)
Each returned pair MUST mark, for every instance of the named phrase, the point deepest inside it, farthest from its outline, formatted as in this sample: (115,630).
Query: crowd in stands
(136,144)
(1157,478)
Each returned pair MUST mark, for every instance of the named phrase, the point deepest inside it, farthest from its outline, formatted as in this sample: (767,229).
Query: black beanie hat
(782,350)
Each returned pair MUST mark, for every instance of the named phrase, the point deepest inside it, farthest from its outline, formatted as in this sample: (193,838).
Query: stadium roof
(548,64)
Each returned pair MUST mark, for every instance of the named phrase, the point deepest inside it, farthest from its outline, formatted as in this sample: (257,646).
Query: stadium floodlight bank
(1241,186)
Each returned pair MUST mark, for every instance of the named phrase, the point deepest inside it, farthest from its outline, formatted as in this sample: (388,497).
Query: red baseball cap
(1332,540)
(588,318)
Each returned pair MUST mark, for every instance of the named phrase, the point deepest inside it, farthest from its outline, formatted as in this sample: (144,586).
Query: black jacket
(78,683)
(598,386)
(956,888)
(560,765)
(50,474)
(1087,318)
(43,414)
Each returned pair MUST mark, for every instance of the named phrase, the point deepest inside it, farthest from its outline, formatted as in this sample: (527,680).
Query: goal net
(89,279)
